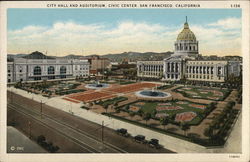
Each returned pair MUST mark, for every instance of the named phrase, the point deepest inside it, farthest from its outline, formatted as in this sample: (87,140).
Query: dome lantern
(186,33)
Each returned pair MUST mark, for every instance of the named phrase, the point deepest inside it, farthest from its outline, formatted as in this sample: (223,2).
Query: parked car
(122,132)
(154,143)
(140,139)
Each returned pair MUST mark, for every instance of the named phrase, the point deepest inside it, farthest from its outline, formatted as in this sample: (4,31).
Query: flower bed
(134,108)
(160,108)
(164,104)
(198,106)
(185,116)
(140,103)
(182,102)
(161,115)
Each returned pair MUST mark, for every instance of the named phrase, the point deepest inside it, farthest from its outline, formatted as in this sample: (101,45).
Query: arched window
(51,70)
(37,70)
(63,70)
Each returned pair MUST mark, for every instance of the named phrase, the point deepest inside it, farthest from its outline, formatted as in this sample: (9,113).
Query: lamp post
(11,96)
(41,109)
(102,130)
(29,129)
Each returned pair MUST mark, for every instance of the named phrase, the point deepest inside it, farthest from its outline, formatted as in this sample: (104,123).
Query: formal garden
(49,89)
(216,94)
(183,114)
(175,111)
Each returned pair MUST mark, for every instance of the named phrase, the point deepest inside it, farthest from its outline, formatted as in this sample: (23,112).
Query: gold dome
(186,34)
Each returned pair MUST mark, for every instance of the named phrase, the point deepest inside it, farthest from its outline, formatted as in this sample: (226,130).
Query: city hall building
(187,63)
(32,68)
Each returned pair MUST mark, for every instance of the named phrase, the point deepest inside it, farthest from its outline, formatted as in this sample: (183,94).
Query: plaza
(187,113)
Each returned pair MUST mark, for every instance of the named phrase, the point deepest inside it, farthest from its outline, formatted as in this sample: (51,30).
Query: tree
(154,112)
(116,104)
(131,114)
(106,107)
(140,112)
(127,107)
(146,117)
(164,121)
(184,126)
(117,109)
(208,132)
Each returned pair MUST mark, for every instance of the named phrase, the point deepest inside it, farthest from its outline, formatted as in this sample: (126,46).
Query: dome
(186,34)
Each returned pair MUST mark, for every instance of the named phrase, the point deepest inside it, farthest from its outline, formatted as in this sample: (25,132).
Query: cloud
(228,23)
(63,38)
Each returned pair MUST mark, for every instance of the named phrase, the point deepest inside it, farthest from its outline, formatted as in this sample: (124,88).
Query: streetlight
(11,96)
(41,107)
(102,130)
(29,129)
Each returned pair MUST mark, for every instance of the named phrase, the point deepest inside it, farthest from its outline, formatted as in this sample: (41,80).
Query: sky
(60,32)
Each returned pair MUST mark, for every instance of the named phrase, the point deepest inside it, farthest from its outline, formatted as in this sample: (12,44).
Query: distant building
(187,63)
(39,67)
(98,64)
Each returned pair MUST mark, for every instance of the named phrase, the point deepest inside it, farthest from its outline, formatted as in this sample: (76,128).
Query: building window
(37,78)
(63,71)
(37,70)
(8,71)
(20,71)
(9,80)
(9,74)
(219,70)
(51,77)
(51,70)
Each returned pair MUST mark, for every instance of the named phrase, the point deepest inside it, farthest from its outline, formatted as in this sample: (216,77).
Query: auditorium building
(187,63)
(37,66)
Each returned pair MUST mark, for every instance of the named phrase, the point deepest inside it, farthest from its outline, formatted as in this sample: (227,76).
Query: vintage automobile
(122,132)
(154,143)
(140,139)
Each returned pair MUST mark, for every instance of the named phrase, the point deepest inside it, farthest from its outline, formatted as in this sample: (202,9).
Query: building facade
(22,69)
(150,69)
(98,64)
(187,64)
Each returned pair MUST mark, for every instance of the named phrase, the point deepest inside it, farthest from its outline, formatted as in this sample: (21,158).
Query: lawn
(113,101)
(171,109)
(215,94)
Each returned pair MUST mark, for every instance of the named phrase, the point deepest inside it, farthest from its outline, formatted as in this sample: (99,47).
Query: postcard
(124,81)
